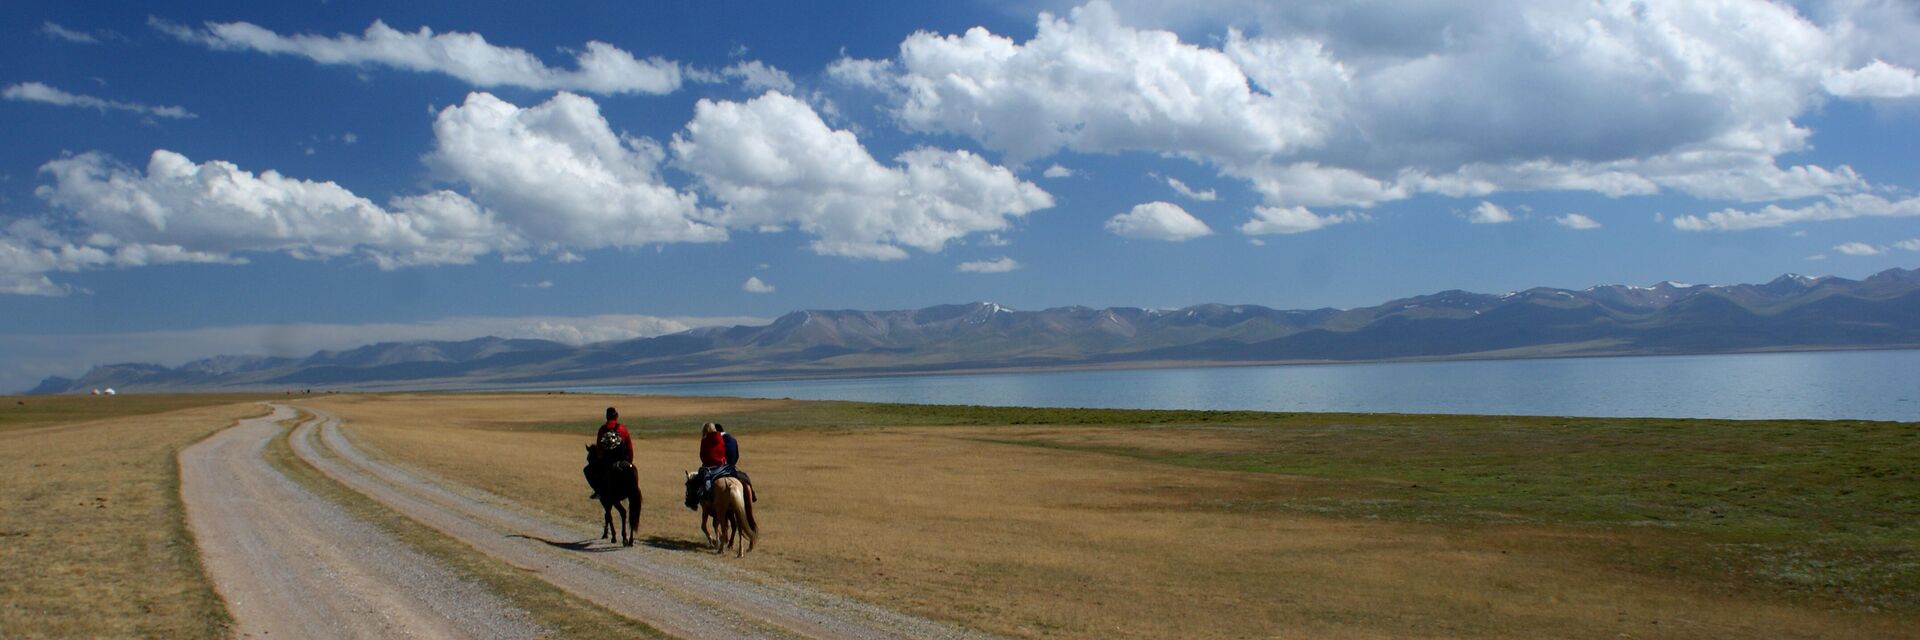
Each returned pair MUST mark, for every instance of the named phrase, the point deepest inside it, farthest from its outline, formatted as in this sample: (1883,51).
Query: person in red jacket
(713,465)
(625,450)
(713,448)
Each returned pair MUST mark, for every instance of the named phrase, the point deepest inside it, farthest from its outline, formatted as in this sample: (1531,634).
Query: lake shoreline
(1799,385)
(1151,365)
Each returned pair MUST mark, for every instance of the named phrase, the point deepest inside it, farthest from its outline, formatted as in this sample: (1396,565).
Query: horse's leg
(628,519)
(606,519)
(739,527)
(622,509)
(706,511)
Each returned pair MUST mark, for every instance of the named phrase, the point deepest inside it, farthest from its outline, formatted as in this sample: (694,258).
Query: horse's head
(592,453)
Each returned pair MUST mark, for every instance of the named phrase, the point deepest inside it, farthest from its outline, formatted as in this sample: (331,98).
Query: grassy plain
(28,412)
(1058,523)
(93,542)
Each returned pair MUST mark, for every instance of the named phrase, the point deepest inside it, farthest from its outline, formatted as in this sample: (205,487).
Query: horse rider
(713,464)
(626,445)
(733,460)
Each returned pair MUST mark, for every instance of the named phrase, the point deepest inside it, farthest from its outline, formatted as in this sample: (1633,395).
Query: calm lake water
(1867,385)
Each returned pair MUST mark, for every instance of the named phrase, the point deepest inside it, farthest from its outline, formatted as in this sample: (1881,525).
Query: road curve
(680,593)
(290,564)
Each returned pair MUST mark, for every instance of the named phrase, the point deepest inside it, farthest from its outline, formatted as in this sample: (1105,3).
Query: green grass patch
(551,607)
(1827,508)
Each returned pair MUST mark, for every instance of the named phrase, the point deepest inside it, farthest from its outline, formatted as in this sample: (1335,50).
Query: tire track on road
(290,564)
(663,588)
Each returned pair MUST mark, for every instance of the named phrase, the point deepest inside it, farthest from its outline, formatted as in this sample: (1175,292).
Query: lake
(1864,385)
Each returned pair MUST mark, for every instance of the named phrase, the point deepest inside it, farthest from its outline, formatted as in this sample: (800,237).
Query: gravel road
(290,564)
(685,594)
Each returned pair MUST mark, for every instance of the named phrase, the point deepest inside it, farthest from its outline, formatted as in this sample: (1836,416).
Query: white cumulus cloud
(1876,80)
(560,176)
(29,250)
(1086,82)
(1158,221)
(553,179)
(1181,187)
(1489,213)
(1001,264)
(1832,208)
(1912,244)
(1859,249)
(1288,220)
(1352,104)
(1577,222)
(1057,171)
(216,208)
(599,68)
(38,92)
(755,285)
(775,164)
(755,75)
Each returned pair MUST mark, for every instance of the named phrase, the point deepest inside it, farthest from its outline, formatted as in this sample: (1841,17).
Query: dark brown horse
(616,481)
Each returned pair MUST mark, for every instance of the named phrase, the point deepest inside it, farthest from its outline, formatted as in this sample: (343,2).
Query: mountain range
(1791,312)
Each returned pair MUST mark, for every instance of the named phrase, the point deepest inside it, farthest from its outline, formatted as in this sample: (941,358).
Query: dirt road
(292,565)
(681,593)
(289,564)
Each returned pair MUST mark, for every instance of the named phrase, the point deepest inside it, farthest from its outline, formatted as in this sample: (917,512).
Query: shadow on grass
(583,546)
(675,544)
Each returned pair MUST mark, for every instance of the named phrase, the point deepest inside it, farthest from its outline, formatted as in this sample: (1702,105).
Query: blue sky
(279,177)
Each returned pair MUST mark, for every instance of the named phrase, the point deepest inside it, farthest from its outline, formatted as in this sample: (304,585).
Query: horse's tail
(634,516)
(747,498)
(743,517)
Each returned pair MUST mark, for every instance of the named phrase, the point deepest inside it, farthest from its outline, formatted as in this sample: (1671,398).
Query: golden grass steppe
(92,538)
(1015,531)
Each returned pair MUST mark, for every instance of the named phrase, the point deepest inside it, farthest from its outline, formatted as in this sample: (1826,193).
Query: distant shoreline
(481,386)
(1850,384)
(1151,365)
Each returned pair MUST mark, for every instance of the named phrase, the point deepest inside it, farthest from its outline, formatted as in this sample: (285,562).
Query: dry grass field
(92,540)
(29,412)
(1040,523)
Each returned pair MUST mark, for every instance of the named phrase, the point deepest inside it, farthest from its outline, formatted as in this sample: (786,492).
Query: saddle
(700,485)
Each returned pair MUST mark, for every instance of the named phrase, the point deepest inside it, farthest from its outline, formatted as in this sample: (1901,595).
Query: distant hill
(1790,313)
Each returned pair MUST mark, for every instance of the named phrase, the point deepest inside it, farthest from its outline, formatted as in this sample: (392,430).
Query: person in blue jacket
(733,460)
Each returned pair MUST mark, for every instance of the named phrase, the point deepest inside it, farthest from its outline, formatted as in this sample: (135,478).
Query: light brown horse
(732,515)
